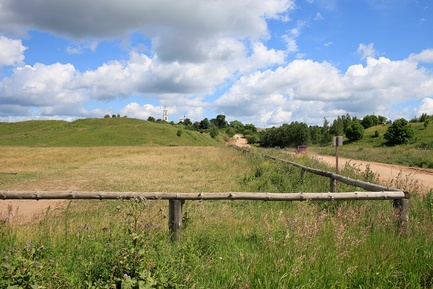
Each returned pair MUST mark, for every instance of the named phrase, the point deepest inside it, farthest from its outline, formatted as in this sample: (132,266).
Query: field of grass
(417,153)
(224,244)
(100,132)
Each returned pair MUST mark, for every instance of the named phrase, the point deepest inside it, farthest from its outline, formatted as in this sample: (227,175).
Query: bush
(214,132)
(355,131)
(399,132)
(179,132)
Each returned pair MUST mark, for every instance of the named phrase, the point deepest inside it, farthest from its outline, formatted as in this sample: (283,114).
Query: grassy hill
(100,132)
(417,153)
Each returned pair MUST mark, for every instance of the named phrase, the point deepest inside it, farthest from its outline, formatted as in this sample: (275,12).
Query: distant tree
(219,121)
(107,116)
(423,117)
(151,118)
(382,119)
(315,134)
(370,121)
(250,127)
(326,136)
(355,131)
(426,123)
(399,132)
(196,125)
(213,132)
(204,124)
(118,115)
(230,131)
(187,122)
(238,126)
(113,116)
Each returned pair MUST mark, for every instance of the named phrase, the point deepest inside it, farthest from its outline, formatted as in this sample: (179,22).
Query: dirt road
(386,172)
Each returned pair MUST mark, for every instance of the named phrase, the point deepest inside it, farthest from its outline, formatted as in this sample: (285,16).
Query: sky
(264,62)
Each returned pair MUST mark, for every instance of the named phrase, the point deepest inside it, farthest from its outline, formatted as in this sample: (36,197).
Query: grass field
(417,153)
(225,244)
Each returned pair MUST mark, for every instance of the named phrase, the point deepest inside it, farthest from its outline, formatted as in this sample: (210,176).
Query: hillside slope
(100,132)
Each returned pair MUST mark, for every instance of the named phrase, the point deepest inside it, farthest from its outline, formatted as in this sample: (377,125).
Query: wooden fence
(176,200)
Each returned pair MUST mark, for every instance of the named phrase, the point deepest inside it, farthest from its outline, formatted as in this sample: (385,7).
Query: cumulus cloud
(304,84)
(426,106)
(11,51)
(180,30)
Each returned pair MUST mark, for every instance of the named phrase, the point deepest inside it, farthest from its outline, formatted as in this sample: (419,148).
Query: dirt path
(240,141)
(386,172)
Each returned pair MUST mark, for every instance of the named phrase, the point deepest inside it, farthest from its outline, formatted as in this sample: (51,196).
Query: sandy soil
(240,141)
(386,172)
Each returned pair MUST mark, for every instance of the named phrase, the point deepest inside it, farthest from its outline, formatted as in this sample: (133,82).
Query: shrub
(179,132)
(399,132)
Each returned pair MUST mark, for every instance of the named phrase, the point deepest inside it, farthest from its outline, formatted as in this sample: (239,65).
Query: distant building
(165,115)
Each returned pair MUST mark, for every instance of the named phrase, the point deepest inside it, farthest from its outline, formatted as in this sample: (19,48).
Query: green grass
(224,244)
(417,153)
(100,132)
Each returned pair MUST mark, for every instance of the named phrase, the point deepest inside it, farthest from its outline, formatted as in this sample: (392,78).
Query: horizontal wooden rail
(68,195)
(348,181)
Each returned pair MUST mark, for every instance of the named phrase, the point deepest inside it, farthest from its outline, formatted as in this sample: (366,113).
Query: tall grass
(224,244)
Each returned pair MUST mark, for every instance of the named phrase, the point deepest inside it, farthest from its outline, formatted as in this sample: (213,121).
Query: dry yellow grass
(182,169)
(139,169)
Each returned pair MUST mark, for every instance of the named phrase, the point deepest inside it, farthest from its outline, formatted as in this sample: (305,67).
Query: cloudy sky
(265,62)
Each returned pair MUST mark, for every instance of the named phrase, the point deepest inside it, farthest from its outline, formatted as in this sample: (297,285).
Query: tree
(382,119)
(230,131)
(399,132)
(213,131)
(355,131)
(204,124)
(369,121)
(219,121)
(237,125)
(151,118)
(187,122)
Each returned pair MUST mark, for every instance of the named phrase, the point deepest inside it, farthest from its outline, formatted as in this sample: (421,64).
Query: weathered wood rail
(177,199)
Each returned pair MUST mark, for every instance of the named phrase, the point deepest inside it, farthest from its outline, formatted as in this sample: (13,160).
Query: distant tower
(165,114)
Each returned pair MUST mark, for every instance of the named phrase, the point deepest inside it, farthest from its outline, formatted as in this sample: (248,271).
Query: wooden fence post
(302,174)
(332,185)
(401,210)
(175,219)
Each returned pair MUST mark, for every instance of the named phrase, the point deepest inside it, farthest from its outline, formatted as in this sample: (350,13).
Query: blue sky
(261,62)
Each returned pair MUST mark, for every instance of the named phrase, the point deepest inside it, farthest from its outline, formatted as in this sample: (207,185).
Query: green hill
(100,132)
(373,147)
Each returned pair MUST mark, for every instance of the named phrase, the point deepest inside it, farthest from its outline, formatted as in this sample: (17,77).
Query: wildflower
(6,266)
(118,207)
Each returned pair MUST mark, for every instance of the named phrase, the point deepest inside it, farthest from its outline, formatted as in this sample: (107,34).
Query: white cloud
(179,30)
(79,48)
(11,51)
(308,89)
(426,106)
(366,50)
(318,16)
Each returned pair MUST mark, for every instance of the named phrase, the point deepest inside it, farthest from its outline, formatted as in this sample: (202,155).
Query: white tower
(165,114)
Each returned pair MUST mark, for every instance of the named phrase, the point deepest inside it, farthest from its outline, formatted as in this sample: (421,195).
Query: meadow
(373,147)
(224,244)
